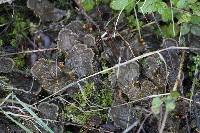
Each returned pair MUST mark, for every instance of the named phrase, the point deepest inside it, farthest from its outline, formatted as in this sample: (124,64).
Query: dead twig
(30,51)
(118,65)
(178,80)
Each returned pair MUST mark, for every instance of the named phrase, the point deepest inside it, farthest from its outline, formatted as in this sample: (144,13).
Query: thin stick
(117,21)
(138,25)
(178,79)
(127,43)
(173,24)
(27,52)
(163,122)
(130,127)
(138,131)
(120,64)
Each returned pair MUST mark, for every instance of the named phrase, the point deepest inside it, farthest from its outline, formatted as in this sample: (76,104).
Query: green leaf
(13,43)
(195,29)
(174,94)
(166,14)
(168,30)
(170,106)
(170,103)
(174,2)
(195,8)
(149,6)
(161,6)
(195,19)
(156,103)
(185,18)
(182,3)
(164,10)
(1,42)
(132,21)
(130,6)
(119,4)
(87,4)
(185,28)
(192,1)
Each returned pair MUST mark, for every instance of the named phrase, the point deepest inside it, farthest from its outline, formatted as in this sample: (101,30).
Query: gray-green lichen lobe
(49,74)
(6,64)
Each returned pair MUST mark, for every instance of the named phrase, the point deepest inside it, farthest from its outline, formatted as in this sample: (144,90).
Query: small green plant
(156,103)
(1,43)
(186,12)
(17,31)
(79,112)
(132,22)
(170,104)
(168,101)
(194,65)
(126,5)
(168,31)
(88,4)
(19,61)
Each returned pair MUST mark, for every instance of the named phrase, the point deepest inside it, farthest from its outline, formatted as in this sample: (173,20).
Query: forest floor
(93,66)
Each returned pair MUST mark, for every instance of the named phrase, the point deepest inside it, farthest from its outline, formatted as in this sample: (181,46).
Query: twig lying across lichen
(178,80)
(120,64)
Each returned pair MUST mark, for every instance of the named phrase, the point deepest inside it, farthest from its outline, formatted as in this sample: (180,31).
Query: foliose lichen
(50,76)
(45,10)
(125,76)
(6,65)
(80,60)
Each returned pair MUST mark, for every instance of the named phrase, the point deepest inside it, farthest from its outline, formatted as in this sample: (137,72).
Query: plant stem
(163,122)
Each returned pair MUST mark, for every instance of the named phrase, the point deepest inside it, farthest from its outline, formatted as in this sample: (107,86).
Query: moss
(99,96)
(5,87)
(19,61)
(105,97)
(77,116)
(62,4)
